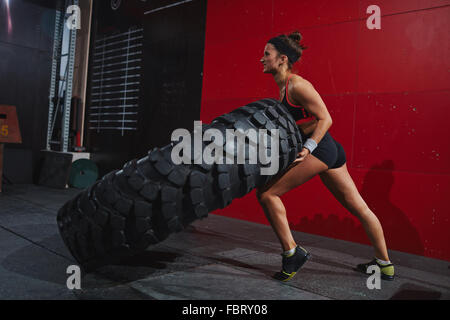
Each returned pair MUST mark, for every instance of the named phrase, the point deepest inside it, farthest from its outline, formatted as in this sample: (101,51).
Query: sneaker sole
(292,274)
(383,276)
(387,278)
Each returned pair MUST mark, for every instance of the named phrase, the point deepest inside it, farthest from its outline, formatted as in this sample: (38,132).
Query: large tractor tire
(150,198)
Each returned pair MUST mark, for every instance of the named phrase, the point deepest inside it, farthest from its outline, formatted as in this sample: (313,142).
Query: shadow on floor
(409,291)
(138,267)
(34,261)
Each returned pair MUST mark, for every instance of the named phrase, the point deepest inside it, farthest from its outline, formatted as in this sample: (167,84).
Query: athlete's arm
(304,94)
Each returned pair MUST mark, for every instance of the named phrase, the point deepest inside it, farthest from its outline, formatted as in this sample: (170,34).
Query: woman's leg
(341,185)
(269,196)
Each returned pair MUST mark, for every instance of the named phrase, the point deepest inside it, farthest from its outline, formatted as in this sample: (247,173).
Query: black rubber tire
(150,198)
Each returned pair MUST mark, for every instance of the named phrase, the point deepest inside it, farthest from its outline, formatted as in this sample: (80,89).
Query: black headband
(283,48)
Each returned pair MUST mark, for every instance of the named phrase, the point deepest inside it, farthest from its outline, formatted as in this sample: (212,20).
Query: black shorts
(329,151)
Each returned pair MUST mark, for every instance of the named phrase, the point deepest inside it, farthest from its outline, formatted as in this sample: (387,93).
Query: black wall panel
(25,67)
(171,82)
(173,72)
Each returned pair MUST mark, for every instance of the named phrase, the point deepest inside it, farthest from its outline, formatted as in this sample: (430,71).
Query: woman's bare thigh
(294,176)
(343,188)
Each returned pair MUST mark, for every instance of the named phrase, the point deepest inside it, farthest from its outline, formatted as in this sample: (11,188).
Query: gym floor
(214,258)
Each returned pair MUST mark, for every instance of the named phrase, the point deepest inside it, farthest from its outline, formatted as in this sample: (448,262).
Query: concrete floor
(215,258)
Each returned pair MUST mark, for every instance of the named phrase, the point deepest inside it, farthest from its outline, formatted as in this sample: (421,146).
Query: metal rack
(60,95)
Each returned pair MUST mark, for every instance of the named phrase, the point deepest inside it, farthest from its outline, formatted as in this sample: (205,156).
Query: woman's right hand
(301,155)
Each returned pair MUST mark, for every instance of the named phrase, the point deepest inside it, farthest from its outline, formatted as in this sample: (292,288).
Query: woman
(320,155)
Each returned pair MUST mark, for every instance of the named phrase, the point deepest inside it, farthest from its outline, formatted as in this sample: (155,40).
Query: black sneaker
(292,264)
(387,271)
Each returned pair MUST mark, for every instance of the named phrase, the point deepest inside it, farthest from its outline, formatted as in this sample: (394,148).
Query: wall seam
(363,19)
(355,96)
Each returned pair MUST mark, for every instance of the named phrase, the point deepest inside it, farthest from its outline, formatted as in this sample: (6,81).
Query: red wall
(388,94)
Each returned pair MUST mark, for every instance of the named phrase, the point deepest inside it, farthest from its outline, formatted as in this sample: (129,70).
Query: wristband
(310,144)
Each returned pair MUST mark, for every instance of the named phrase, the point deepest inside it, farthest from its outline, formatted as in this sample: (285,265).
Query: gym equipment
(9,132)
(83,174)
(55,169)
(150,198)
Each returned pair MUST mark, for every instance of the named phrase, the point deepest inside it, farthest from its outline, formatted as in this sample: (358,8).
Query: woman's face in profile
(270,59)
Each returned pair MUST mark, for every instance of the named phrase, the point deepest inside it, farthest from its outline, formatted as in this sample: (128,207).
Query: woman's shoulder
(300,89)
(299,81)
